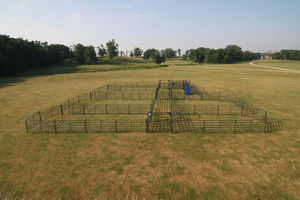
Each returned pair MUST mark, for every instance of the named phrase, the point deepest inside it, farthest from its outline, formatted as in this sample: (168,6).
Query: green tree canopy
(137,52)
(168,53)
(90,55)
(101,50)
(112,49)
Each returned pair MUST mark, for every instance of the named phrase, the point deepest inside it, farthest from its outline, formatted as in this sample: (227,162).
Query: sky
(255,25)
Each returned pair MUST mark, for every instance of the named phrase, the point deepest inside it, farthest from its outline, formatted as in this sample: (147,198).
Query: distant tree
(101,50)
(187,52)
(149,53)
(179,52)
(79,51)
(287,55)
(90,55)
(168,53)
(131,54)
(122,53)
(197,55)
(137,52)
(234,53)
(159,58)
(112,48)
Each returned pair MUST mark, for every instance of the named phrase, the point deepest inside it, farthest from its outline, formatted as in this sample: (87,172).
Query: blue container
(187,90)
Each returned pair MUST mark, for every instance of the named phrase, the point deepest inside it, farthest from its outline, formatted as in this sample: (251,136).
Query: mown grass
(286,64)
(151,166)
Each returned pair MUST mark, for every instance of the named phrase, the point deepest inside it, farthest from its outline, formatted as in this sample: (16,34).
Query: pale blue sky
(256,25)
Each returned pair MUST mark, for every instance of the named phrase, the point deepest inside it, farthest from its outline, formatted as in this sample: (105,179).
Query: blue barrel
(187,90)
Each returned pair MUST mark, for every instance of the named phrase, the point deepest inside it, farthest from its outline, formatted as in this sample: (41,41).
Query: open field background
(156,166)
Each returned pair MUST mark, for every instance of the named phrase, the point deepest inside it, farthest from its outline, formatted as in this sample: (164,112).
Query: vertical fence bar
(40,116)
(54,124)
(85,127)
(61,110)
(100,126)
(116,126)
(203,126)
(234,130)
(265,122)
(27,130)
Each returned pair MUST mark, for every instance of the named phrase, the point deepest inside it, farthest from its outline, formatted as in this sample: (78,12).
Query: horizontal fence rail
(88,126)
(111,109)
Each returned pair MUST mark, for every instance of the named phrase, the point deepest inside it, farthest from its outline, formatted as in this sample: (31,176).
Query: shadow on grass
(70,66)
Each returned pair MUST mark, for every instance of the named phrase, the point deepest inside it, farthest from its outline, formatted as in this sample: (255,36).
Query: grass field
(286,64)
(151,166)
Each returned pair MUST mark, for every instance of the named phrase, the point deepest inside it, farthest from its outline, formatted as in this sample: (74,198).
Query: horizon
(253,25)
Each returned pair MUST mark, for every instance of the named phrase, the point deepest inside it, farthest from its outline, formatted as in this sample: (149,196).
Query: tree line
(287,55)
(17,54)
(230,54)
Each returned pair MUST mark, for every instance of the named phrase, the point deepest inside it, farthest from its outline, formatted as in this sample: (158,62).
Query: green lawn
(151,166)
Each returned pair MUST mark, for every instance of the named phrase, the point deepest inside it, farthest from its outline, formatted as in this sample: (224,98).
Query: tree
(101,50)
(90,55)
(17,54)
(149,53)
(168,53)
(137,52)
(159,58)
(179,52)
(79,51)
(234,53)
(112,48)
(131,54)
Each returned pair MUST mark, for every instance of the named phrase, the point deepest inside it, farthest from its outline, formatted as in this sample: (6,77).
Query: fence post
(40,115)
(69,106)
(129,109)
(70,126)
(85,127)
(61,109)
(83,108)
(116,126)
(90,95)
(26,126)
(54,123)
(106,111)
(242,110)
(100,125)
(218,110)
(203,126)
(265,121)
(234,126)
(147,125)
